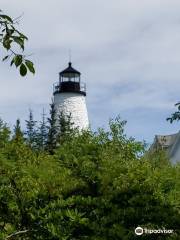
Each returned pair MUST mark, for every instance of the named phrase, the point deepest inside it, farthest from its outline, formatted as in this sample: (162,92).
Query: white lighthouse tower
(69,97)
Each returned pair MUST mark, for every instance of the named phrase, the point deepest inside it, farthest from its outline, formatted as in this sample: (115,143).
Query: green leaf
(6,17)
(10,31)
(12,62)
(23,70)
(18,60)
(7,43)
(30,66)
(19,41)
(5,58)
(21,34)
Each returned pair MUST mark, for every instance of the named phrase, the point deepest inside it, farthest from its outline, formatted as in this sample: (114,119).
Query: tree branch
(16,233)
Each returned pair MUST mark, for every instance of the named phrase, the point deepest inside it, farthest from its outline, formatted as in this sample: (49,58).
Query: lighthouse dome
(70,81)
(70,72)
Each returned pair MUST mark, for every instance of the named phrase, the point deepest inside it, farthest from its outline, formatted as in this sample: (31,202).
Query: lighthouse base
(73,104)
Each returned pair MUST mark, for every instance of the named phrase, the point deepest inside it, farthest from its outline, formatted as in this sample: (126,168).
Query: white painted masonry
(74,104)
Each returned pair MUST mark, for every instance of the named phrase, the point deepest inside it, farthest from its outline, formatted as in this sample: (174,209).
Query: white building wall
(176,157)
(74,104)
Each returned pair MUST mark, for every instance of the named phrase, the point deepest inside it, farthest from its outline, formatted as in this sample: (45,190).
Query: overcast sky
(127,51)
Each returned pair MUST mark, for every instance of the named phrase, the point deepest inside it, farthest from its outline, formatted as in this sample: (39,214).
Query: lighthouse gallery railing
(58,87)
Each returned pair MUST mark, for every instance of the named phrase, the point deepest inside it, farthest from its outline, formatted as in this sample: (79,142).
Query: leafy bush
(94,186)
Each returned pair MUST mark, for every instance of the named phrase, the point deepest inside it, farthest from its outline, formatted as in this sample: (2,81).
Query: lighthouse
(70,97)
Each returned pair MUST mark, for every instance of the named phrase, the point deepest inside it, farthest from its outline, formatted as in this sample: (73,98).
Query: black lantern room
(70,81)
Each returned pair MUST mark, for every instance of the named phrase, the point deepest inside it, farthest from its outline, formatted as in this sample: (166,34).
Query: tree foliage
(18,135)
(42,133)
(52,130)
(95,185)
(176,115)
(31,132)
(10,39)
